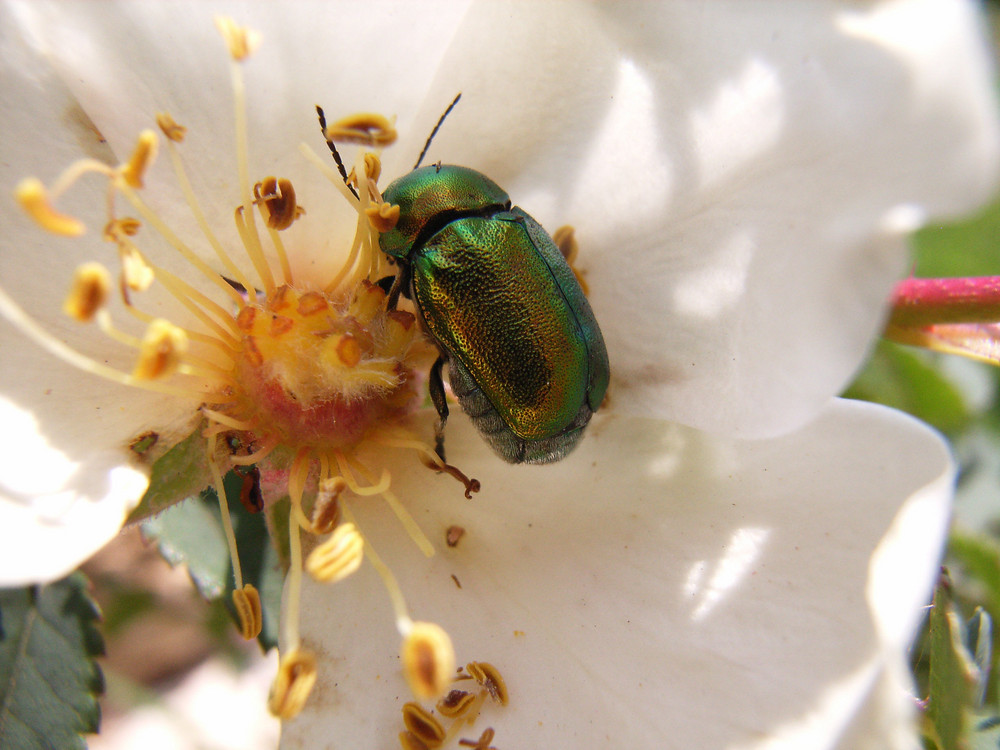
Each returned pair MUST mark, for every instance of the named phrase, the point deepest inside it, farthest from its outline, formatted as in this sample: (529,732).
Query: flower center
(313,371)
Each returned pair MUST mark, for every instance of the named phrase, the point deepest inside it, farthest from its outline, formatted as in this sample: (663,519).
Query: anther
(409,741)
(348,350)
(117,229)
(88,293)
(565,240)
(161,351)
(311,303)
(453,535)
(383,216)
(170,128)
(338,556)
(142,158)
(278,198)
(373,170)
(34,200)
(247,604)
(245,318)
(428,660)
(490,678)
(326,510)
(419,720)
(292,685)
(364,128)
(456,703)
(136,273)
(240,41)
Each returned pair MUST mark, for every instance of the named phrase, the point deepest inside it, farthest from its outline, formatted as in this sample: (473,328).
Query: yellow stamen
(428,660)
(364,128)
(88,293)
(291,687)
(240,40)
(326,509)
(338,556)
(490,678)
(142,158)
(162,348)
(247,604)
(420,722)
(383,216)
(170,128)
(34,200)
(456,703)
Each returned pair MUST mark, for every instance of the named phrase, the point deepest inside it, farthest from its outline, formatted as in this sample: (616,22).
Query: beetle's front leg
(436,386)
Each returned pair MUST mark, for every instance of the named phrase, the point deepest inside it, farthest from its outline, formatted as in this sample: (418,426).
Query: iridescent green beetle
(525,355)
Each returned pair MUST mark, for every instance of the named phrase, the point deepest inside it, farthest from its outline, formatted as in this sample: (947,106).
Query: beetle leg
(436,386)
(402,282)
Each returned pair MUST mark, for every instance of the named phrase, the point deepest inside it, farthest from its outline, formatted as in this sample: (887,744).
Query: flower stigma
(290,378)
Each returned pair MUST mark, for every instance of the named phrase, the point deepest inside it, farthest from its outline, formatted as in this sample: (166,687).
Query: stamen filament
(234,270)
(404,623)
(257,456)
(175,242)
(402,514)
(103,318)
(75,171)
(19,318)
(225,419)
(227,521)
(191,298)
(248,232)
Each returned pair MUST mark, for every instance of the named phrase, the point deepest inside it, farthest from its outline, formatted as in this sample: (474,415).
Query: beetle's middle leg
(436,386)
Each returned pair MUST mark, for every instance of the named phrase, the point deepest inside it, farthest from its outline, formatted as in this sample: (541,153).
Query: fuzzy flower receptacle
(731,558)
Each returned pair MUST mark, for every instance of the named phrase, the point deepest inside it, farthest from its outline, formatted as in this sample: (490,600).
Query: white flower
(741,178)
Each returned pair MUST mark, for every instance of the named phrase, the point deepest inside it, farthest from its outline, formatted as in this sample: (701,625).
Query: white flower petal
(740,175)
(658,583)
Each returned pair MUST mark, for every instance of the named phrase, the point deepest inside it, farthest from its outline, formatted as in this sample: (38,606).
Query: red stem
(925,302)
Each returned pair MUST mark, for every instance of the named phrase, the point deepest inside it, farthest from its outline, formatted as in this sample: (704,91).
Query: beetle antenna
(441,119)
(333,149)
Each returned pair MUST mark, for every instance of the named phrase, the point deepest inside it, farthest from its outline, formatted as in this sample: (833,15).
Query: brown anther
(383,216)
(117,229)
(281,325)
(453,534)
(247,604)
(373,169)
(240,40)
(142,158)
(292,685)
(33,198)
(246,317)
(278,198)
(410,741)
(337,557)
(471,485)
(251,496)
(161,351)
(280,298)
(311,303)
(326,509)
(251,352)
(404,318)
(170,128)
(421,723)
(490,678)
(483,743)
(363,128)
(456,703)
(349,350)
(428,660)
(88,293)
(136,272)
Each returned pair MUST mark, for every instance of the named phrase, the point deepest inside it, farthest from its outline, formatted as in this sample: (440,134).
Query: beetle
(525,355)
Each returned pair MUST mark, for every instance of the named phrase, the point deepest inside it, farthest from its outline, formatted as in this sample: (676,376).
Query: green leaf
(953,675)
(979,557)
(966,248)
(180,473)
(191,533)
(901,378)
(49,681)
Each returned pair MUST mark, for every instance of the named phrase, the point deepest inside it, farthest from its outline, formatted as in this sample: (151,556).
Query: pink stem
(918,303)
